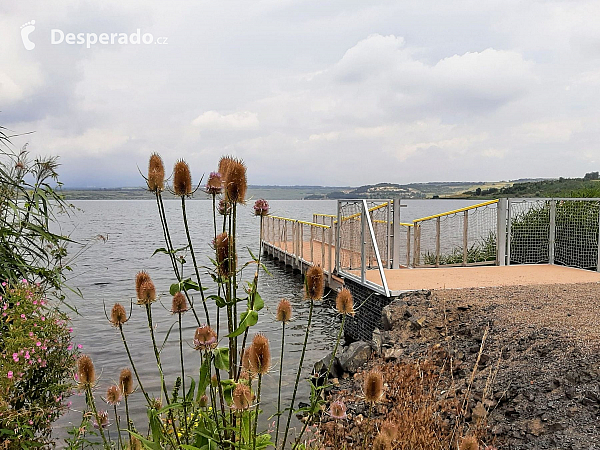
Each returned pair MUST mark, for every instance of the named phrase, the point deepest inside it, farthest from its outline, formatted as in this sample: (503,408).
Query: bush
(28,204)
(37,359)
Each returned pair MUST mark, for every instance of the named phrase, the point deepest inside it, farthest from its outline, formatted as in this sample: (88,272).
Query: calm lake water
(106,270)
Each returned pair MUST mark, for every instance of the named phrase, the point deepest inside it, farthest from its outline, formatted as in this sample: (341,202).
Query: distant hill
(561,187)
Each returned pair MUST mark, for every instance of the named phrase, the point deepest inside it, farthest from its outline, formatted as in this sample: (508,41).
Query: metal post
(465,238)
(417,246)
(408,262)
(312,238)
(437,242)
(501,232)
(338,239)
(598,258)
(301,241)
(552,234)
(330,250)
(388,235)
(363,220)
(396,233)
(508,231)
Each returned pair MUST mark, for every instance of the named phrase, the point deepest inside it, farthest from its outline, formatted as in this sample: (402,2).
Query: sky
(336,93)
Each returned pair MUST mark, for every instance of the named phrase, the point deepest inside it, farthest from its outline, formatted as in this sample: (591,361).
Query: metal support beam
(437,242)
(363,221)
(501,232)
(375,249)
(552,232)
(396,234)
(338,247)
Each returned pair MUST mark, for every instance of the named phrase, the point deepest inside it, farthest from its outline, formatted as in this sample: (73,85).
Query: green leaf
(248,319)
(258,302)
(221,358)
(220,301)
(204,379)
(166,337)
(184,285)
(160,250)
(148,444)
(190,393)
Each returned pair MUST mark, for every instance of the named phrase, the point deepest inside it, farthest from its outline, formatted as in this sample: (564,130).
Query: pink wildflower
(10,374)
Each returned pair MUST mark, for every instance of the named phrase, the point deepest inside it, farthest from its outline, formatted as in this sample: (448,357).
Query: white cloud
(213,120)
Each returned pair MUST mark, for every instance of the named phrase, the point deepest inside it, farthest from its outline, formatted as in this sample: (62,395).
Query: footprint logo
(26,30)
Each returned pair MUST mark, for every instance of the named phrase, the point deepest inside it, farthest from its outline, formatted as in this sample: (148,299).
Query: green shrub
(37,362)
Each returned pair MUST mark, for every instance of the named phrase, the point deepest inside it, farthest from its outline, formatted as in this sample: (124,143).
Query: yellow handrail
(435,216)
(374,208)
(301,221)
(325,215)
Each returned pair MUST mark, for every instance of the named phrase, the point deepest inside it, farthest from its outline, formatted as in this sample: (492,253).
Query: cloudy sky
(340,92)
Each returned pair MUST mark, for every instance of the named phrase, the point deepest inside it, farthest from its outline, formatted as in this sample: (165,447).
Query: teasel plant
(373,391)
(86,374)
(344,304)
(126,388)
(314,284)
(113,398)
(284,315)
(155,181)
(179,306)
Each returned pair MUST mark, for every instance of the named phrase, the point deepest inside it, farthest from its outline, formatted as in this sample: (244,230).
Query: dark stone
(321,366)
(355,356)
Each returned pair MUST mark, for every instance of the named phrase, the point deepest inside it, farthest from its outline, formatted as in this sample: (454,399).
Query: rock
(416,323)
(321,366)
(387,318)
(354,356)
(479,413)
(392,353)
(377,341)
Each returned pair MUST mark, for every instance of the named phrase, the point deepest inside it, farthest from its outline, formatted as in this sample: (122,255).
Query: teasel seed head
(242,397)
(147,293)
(214,185)
(205,338)
(182,179)
(246,363)
(85,370)
(156,173)
(221,244)
(203,403)
(261,207)
(260,355)
(113,395)
(214,381)
(315,283)
(381,443)
(101,420)
(118,316)
(469,443)
(126,382)
(344,302)
(224,165)
(337,410)
(284,311)
(236,183)
(373,387)
(179,304)
(224,207)
(139,280)
(390,430)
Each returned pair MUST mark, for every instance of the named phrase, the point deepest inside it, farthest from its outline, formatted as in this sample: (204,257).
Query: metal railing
(302,241)
(462,237)
(363,241)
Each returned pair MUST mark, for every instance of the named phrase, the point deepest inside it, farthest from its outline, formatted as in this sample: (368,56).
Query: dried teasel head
(156,173)
(182,179)
(224,207)
(113,395)
(139,280)
(242,397)
(344,302)
(118,316)
(126,382)
(390,430)
(85,370)
(381,443)
(337,410)
(224,165)
(314,283)
(203,403)
(246,363)
(284,311)
(214,185)
(179,304)
(261,207)
(235,183)
(205,338)
(222,247)
(373,387)
(469,443)
(260,355)
(101,420)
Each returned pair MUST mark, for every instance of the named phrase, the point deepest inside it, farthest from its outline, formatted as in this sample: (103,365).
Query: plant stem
(185,421)
(137,377)
(368,423)
(128,420)
(189,239)
(287,426)
(280,376)
(256,412)
(118,427)
(156,353)
(92,404)
(337,343)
